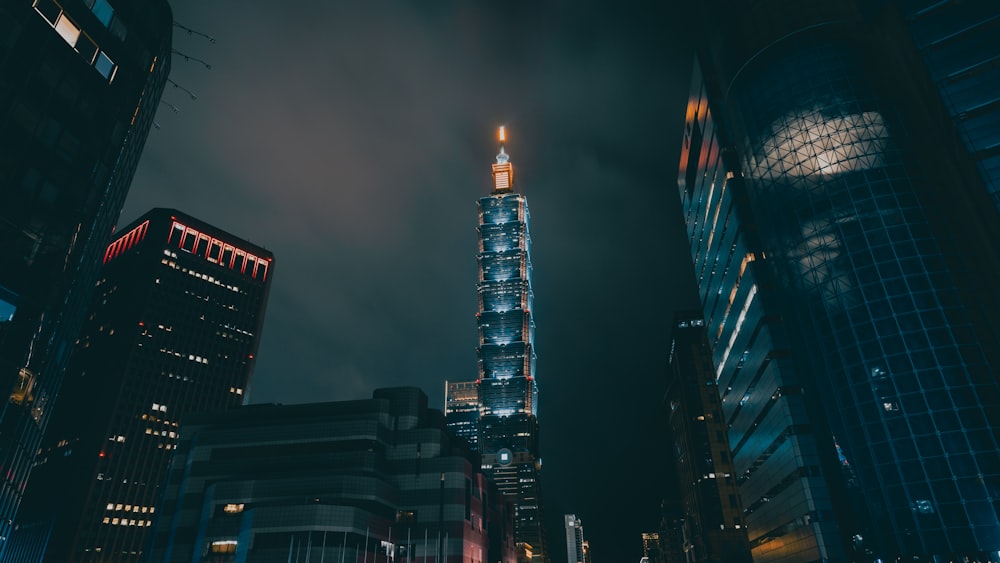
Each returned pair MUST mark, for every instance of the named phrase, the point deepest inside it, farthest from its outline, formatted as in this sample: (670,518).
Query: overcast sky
(353,139)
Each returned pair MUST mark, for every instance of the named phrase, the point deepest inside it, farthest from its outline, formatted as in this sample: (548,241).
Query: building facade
(715,529)
(954,41)
(461,410)
(79,85)
(782,451)
(174,328)
(875,250)
(574,539)
(508,393)
(377,480)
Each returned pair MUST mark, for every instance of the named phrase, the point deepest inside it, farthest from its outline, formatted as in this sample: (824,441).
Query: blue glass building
(508,394)
(831,173)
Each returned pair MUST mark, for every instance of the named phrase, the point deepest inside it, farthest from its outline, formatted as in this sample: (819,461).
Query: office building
(706,481)
(461,410)
(174,328)
(652,548)
(369,480)
(777,446)
(574,539)
(508,393)
(847,260)
(671,538)
(954,41)
(79,85)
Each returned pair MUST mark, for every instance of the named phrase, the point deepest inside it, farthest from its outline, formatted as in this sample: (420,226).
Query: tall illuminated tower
(508,394)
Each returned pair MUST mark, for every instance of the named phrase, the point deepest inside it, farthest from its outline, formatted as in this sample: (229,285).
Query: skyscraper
(574,539)
(79,85)
(461,410)
(173,328)
(753,362)
(954,42)
(714,527)
(376,480)
(508,394)
(847,262)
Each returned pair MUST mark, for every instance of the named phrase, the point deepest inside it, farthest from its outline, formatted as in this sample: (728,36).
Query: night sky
(353,139)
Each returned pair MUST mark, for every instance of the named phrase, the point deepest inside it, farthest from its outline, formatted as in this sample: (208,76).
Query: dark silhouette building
(173,328)
(79,85)
(375,480)
(714,529)
(508,393)
(842,229)
(461,410)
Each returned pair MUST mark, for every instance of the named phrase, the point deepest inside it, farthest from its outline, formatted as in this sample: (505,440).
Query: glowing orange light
(503,135)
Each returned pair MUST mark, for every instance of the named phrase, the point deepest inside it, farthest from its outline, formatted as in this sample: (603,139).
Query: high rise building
(574,539)
(376,480)
(847,260)
(79,85)
(954,42)
(715,529)
(786,483)
(652,548)
(174,328)
(461,410)
(508,394)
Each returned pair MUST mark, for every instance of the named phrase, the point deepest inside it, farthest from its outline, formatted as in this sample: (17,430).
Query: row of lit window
(127,522)
(165,433)
(180,377)
(199,275)
(76,38)
(218,252)
(130,508)
(236,390)
(126,241)
(190,357)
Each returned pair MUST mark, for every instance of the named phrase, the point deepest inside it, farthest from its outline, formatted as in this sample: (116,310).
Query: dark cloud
(353,139)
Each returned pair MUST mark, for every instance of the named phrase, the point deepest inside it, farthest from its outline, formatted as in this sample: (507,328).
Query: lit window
(223,546)
(233,508)
(68,30)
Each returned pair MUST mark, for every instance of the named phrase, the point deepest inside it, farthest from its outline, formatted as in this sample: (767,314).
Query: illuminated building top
(503,172)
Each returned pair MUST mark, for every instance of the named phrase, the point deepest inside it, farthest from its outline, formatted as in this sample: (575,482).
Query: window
(48,10)
(223,546)
(68,30)
(105,66)
(103,11)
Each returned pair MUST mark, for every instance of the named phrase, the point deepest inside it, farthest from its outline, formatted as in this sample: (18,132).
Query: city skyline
(361,175)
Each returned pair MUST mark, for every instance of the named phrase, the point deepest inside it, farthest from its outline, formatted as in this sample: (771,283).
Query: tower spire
(503,172)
